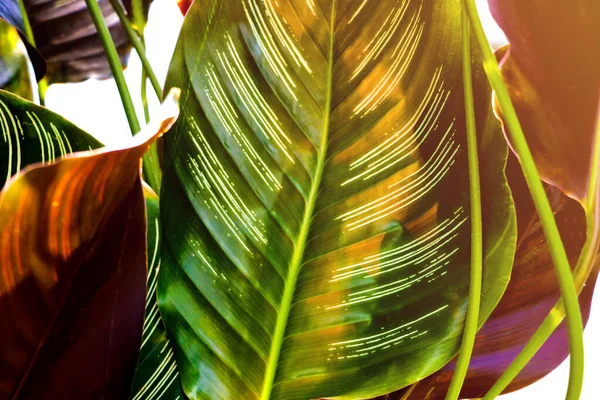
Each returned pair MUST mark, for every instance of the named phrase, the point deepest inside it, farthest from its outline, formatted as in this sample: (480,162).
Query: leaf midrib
(297,256)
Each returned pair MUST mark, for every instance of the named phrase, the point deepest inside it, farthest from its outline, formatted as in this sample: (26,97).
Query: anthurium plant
(350,199)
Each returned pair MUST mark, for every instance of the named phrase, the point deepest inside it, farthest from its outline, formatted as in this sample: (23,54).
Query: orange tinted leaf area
(73,275)
(551,72)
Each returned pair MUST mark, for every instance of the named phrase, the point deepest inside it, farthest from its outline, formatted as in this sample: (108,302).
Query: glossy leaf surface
(315,198)
(530,295)
(156,376)
(551,70)
(66,37)
(73,268)
(32,134)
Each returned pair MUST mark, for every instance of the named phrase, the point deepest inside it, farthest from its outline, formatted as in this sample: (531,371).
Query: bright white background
(95,106)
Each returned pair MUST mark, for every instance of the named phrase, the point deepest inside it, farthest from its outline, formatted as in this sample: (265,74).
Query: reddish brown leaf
(72,279)
(184,5)
(551,70)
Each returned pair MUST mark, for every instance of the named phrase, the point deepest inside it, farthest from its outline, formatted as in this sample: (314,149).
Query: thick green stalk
(472,318)
(542,205)
(581,272)
(138,45)
(115,64)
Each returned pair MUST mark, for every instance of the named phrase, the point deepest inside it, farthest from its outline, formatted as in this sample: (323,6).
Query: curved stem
(151,164)
(43,83)
(472,318)
(139,18)
(26,23)
(139,47)
(115,64)
(144,95)
(542,205)
(581,273)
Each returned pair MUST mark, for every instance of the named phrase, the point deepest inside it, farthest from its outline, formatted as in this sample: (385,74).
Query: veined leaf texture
(315,199)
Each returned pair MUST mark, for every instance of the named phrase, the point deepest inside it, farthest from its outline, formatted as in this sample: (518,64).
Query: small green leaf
(32,134)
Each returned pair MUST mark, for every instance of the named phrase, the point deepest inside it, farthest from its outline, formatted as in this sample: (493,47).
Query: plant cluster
(337,199)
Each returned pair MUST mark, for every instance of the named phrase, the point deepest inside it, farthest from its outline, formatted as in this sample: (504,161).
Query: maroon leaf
(72,275)
(184,5)
(551,70)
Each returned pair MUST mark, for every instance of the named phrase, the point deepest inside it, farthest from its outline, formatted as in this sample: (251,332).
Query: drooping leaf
(156,375)
(530,295)
(72,282)
(66,37)
(14,75)
(31,134)
(551,70)
(315,198)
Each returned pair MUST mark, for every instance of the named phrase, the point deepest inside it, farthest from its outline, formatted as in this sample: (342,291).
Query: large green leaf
(315,198)
(72,269)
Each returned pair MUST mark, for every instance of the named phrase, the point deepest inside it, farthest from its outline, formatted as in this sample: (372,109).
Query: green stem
(542,205)
(151,165)
(152,170)
(139,17)
(144,96)
(591,202)
(581,272)
(138,45)
(43,83)
(472,318)
(42,87)
(115,64)
(26,24)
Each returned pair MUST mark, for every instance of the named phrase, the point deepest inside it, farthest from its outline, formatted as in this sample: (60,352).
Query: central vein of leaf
(297,256)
